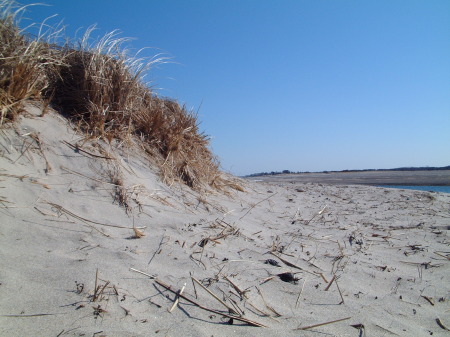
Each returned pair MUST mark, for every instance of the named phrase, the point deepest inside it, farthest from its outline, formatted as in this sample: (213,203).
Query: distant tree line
(426,168)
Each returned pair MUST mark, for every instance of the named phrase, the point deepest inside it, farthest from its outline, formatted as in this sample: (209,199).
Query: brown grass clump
(25,64)
(101,88)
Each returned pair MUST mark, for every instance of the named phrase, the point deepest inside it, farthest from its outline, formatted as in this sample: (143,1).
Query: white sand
(398,256)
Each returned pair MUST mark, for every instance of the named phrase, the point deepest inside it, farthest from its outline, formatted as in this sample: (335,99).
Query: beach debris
(267,305)
(237,318)
(257,205)
(441,325)
(321,324)
(429,299)
(141,272)
(361,328)
(177,298)
(351,238)
(242,293)
(300,293)
(158,250)
(203,242)
(80,287)
(230,309)
(292,265)
(288,277)
(98,289)
(272,262)
(98,311)
(137,233)
(330,283)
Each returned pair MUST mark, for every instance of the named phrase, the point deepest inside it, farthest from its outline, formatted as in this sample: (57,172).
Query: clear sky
(299,85)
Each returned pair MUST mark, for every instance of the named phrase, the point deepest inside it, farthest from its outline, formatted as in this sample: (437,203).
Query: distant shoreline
(371,177)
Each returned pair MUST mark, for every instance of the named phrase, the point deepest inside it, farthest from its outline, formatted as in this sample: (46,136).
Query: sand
(416,178)
(373,261)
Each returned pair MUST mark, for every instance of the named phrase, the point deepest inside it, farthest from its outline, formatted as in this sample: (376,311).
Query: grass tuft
(102,88)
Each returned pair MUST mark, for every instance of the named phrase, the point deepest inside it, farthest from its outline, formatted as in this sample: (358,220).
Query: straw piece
(62,209)
(340,293)
(33,315)
(77,149)
(141,272)
(177,298)
(231,310)
(157,250)
(257,205)
(331,282)
(95,286)
(448,258)
(265,303)
(292,265)
(241,292)
(300,293)
(320,324)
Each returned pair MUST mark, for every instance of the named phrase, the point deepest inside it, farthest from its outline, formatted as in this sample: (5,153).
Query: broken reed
(102,89)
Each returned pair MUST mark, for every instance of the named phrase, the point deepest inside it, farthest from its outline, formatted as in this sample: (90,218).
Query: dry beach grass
(102,89)
(116,221)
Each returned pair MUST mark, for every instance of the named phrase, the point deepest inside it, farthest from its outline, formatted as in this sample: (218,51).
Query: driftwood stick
(320,324)
(241,319)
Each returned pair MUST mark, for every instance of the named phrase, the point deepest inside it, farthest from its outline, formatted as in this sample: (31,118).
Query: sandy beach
(283,258)
(417,178)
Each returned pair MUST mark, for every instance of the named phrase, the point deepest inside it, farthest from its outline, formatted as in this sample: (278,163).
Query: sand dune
(84,255)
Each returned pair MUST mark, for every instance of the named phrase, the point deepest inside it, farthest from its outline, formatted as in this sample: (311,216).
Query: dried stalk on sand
(233,317)
(321,324)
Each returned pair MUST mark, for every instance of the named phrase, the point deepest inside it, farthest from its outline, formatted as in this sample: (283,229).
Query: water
(443,189)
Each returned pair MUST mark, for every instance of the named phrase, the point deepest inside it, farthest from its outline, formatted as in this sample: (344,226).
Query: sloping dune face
(92,238)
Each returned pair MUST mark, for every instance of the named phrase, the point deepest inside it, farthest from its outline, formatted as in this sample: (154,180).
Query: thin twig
(157,250)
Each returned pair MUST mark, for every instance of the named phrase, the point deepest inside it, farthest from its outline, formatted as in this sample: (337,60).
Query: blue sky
(299,85)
